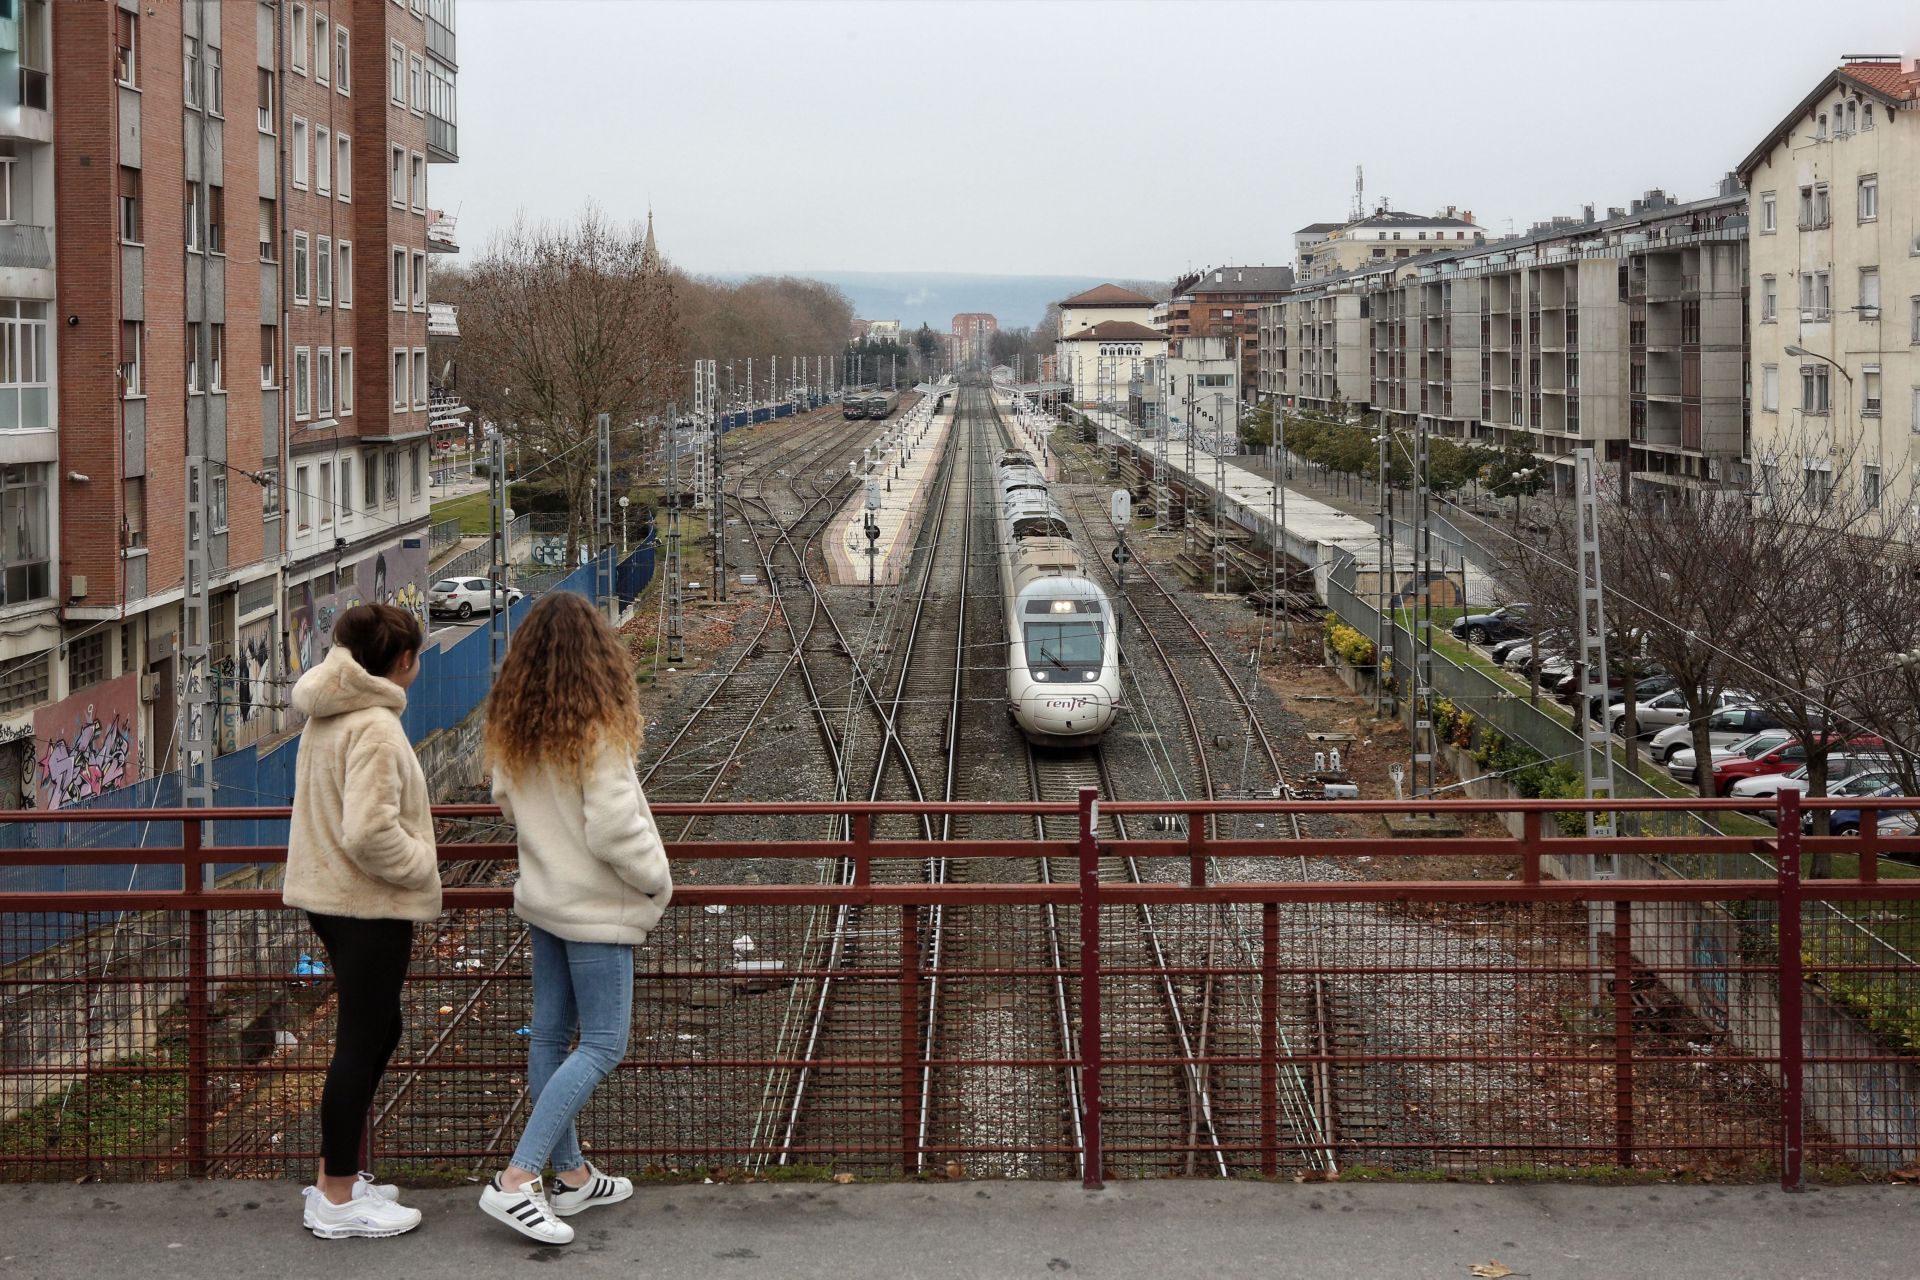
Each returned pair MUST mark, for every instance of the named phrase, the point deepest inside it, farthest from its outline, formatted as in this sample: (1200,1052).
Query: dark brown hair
(377,635)
(565,688)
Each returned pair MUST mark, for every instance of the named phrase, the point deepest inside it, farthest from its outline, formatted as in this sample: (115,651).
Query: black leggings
(369,960)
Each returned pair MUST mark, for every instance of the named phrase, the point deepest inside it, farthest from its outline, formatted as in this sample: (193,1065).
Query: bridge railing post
(1092,1161)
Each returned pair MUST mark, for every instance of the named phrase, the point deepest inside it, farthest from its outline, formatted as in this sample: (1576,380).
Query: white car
(1846,768)
(1724,728)
(1661,712)
(1681,763)
(463,597)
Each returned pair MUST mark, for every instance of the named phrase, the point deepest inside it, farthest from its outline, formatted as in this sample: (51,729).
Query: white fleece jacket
(362,838)
(592,867)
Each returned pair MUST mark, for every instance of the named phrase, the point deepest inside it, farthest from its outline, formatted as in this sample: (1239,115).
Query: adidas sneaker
(525,1211)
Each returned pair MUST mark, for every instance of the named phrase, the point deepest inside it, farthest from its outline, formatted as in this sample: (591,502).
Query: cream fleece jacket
(592,867)
(362,838)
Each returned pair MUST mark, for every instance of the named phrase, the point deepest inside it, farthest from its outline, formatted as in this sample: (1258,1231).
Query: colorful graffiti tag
(88,744)
(390,577)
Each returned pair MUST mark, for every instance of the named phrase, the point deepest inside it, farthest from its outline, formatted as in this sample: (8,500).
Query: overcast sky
(1107,138)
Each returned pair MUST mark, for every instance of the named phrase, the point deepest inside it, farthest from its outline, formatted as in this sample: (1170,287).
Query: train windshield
(1064,646)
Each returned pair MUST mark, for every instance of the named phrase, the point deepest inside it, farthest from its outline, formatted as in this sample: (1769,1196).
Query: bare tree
(558,325)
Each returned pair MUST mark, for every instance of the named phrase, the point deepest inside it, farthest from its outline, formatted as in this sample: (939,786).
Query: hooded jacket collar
(340,685)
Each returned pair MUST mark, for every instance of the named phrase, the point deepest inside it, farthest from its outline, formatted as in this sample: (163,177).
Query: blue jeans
(583,986)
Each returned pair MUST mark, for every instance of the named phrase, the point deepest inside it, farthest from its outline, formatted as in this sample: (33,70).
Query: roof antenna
(1359,193)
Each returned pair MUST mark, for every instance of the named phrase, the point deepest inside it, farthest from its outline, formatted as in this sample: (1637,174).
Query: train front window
(1063,650)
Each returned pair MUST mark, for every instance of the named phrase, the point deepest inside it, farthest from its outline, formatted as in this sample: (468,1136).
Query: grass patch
(474,512)
(119,1114)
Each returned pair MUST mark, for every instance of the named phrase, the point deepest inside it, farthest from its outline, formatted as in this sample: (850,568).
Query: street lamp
(624,501)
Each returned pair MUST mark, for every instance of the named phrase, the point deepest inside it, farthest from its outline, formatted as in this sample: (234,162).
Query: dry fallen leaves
(1909,1174)
(843,1178)
(1490,1270)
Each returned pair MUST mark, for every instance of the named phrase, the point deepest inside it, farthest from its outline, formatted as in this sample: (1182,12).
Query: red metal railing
(1747,1022)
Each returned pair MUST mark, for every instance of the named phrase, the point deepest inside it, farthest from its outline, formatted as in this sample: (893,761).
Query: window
(216,219)
(398,279)
(24,559)
(399,382)
(1869,293)
(343,268)
(130,205)
(302,383)
(397,73)
(1913,423)
(300,274)
(370,479)
(322,161)
(323,271)
(1770,388)
(323,382)
(1820,126)
(133,340)
(1769,299)
(416,468)
(299,153)
(342,60)
(302,499)
(322,49)
(194,386)
(297,45)
(419,280)
(86,660)
(346,488)
(419,183)
(419,377)
(1819,484)
(217,356)
(1866,115)
(391,490)
(1822,206)
(217,501)
(269,356)
(190,78)
(326,494)
(343,166)
(263,94)
(268,478)
(269,231)
(1914,337)
(1870,391)
(1769,213)
(1815,384)
(216,87)
(126,46)
(398,178)
(1869,198)
(343,378)
(417,84)
(23,366)
(196,219)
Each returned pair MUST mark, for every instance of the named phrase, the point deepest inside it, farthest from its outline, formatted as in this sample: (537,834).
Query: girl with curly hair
(563,725)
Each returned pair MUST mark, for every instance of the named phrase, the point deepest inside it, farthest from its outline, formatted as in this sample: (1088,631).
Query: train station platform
(902,464)
(801,1230)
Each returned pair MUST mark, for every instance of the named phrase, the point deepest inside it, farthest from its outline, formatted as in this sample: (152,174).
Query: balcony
(23,245)
(443,140)
(443,320)
(441,227)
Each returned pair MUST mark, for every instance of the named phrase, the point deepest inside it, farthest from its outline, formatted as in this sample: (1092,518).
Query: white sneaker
(364,1185)
(363,1215)
(525,1211)
(598,1190)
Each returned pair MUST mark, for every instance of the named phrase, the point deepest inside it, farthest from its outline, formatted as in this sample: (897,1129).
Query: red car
(1785,758)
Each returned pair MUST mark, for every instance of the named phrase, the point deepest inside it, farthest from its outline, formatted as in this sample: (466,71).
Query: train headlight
(1036,674)
(1089,675)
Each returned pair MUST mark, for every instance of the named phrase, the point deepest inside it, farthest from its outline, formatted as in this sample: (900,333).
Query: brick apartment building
(1225,302)
(972,333)
(149,140)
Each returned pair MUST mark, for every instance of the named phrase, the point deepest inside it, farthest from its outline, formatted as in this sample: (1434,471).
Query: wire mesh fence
(1175,1025)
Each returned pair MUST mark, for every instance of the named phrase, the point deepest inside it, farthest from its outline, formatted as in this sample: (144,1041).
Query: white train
(1063,653)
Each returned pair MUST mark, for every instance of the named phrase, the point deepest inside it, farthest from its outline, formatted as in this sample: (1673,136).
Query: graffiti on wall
(397,577)
(245,687)
(87,744)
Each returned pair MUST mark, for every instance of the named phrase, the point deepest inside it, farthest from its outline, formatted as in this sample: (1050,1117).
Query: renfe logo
(1064,704)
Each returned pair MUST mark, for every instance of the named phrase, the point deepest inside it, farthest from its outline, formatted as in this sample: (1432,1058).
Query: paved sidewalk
(220,1231)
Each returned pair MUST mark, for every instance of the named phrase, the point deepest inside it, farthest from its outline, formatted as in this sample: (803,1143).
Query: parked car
(463,597)
(1479,628)
(1645,690)
(1725,727)
(1784,758)
(1846,822)
(1842,766)
(1663,711)
(1683,762)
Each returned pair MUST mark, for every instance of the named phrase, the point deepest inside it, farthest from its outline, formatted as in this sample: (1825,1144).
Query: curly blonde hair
(565,689)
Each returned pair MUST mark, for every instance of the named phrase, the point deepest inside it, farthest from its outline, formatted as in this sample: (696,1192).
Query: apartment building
(1835,247)
(972,333)
(1385,235)
(150,137)
(1106,338)
(1623,333)
(1225,302)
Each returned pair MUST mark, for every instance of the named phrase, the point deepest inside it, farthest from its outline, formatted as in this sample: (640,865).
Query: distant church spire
(649,251)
